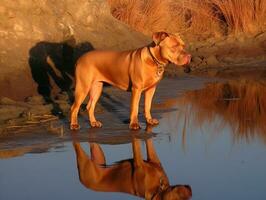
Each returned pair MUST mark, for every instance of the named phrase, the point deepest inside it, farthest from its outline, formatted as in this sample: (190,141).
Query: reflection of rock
(4,154)
(19,151)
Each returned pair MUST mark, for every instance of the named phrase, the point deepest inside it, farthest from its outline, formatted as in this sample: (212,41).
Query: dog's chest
(153,79)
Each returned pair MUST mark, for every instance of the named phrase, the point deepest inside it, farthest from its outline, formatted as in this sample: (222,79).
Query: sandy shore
(30,125)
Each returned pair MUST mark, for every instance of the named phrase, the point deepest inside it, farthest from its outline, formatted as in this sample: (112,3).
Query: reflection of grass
(241,104)
(209,17)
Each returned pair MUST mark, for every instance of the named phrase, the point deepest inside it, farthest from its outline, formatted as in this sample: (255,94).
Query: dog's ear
(159,36)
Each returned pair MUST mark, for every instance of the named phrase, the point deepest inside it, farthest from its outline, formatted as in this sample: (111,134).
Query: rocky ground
(28,114)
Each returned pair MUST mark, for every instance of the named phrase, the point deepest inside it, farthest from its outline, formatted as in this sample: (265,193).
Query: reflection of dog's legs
(97,154)
(139,170)
(89,171)
(136,145)
(95,93)
(82,157)
(151,153)
(147,106)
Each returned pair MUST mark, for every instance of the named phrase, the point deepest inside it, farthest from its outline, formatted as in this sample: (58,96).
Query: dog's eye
(176,48)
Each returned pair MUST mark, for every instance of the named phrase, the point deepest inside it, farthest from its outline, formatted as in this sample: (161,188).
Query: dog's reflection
(143,178)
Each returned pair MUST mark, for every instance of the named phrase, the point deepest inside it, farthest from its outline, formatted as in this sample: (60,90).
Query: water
(212,139)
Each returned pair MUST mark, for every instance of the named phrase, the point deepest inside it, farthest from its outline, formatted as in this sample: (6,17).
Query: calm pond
(211,142)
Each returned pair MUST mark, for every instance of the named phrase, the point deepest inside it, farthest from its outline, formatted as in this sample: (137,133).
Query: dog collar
(160,66)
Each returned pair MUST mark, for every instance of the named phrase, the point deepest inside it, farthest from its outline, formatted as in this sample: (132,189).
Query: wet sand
(112,110)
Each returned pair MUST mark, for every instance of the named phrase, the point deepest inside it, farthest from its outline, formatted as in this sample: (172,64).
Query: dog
(137,71)
(142,178)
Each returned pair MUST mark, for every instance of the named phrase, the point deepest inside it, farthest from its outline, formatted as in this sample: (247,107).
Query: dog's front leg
(147,106)
(134,109)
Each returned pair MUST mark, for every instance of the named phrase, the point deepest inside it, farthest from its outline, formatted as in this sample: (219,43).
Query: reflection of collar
(160,190)
(157,62)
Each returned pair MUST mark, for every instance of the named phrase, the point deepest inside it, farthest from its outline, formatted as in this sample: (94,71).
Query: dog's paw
(96,124)
(74,127)
(152,121)
(134,126)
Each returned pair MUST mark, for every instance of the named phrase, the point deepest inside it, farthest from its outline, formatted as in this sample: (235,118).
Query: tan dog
(143,178)
(138,71)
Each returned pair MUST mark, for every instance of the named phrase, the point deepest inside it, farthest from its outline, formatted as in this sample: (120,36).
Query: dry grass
(144,16)
(242,105)
(241,15)
(205,17)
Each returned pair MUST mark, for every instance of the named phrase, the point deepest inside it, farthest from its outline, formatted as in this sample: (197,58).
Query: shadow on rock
(52,66)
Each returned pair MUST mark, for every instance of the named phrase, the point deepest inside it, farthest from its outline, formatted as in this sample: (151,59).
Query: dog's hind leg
(95,92)
(80,94)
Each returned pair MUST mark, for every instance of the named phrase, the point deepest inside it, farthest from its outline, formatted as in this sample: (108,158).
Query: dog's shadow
(52,66)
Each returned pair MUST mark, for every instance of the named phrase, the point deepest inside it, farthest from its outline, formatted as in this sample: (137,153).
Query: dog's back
(112,67)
